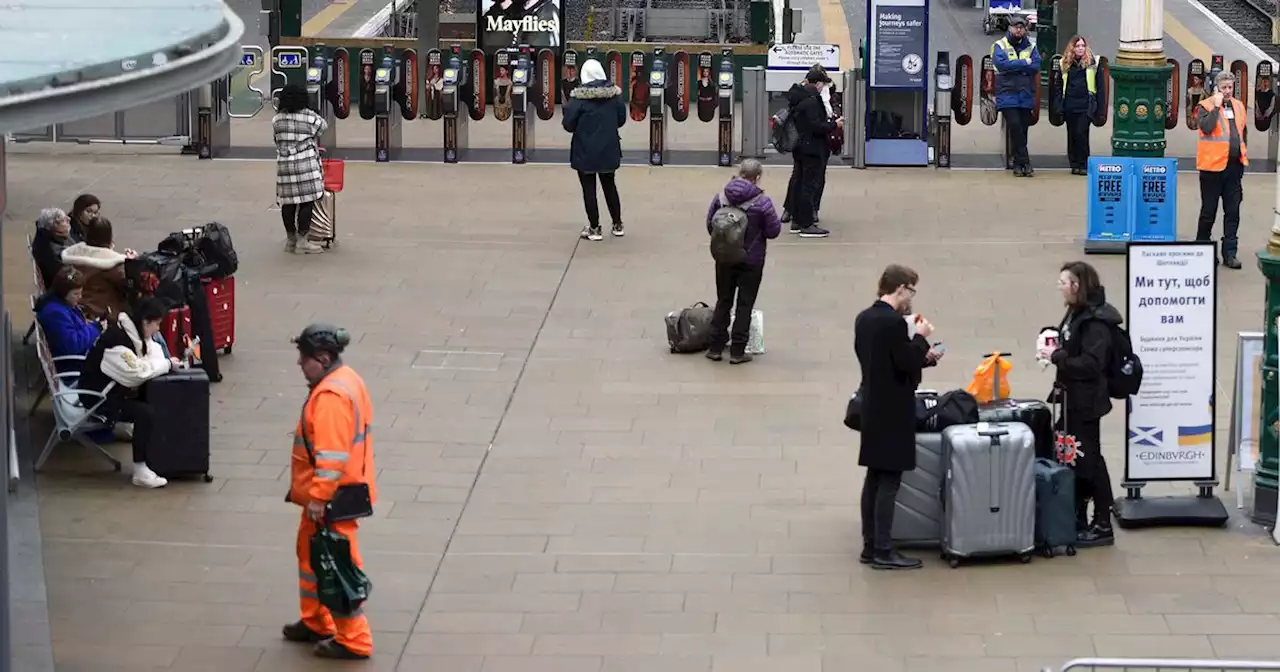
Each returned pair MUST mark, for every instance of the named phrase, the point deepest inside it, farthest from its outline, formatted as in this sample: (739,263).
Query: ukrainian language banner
(1172,318)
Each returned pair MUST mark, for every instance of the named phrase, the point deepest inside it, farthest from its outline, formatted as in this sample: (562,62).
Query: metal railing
(1166,665)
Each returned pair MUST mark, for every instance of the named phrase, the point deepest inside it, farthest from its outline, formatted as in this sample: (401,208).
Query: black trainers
(1096,535)
(591,233)
(786,217)
(894,560)
(618,232)
(1018,171)
(1232,263)
(1028,171)
(330,648)
(867,556)
(740,359)
(813,232)
(299,632)
(715,355)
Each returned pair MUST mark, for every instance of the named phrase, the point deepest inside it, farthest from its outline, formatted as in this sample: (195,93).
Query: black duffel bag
(934,412)
(1033,413)
(213,241)
(158,274)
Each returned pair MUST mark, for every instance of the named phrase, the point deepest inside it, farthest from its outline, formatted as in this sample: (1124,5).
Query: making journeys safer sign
(898,43)
(1172,321)
(1132,200)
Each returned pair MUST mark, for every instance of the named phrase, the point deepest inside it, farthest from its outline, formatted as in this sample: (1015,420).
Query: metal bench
(40,289)
(72,422)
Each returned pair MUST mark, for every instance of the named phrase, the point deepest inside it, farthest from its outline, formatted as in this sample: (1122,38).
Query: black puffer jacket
(812,125)
(594,114)
(1083,357)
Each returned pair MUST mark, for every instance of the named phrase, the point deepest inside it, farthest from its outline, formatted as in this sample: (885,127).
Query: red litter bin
(334,174)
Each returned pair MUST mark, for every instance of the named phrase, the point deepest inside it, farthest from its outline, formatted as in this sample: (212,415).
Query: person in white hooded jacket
(127,355)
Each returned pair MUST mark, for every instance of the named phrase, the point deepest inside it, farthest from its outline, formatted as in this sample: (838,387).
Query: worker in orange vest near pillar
(333,480)
(1221,159)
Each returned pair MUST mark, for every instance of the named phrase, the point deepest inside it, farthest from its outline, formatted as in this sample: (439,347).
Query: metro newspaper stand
(1131,200)
(1172,318)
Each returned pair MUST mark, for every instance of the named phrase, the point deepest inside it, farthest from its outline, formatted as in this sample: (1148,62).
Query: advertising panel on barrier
(899,44)
(506,24)
(1172,320)
(1243,443)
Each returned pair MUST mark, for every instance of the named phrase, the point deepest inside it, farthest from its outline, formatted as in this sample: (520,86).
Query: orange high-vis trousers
(350,630)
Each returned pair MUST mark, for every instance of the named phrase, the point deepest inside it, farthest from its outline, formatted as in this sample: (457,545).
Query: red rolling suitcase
(221,293)
(175,328)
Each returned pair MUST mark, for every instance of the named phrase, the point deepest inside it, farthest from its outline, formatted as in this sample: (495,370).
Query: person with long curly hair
(1079,100)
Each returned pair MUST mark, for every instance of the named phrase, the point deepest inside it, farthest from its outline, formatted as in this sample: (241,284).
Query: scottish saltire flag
(1147,436)
(1195,435)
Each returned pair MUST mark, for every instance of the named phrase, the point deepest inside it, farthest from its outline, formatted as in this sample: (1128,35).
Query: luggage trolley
(996,17)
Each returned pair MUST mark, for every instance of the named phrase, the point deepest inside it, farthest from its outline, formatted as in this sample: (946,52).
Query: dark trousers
(807,172)
(1016,123)
(140,413)
(300,213)
(1078,139)
(879,497)
(744,281)
(1226,186)
(789,203)
(611,201)
(1093,481)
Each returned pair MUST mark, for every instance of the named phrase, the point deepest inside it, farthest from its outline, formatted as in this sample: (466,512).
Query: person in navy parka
(1017,63)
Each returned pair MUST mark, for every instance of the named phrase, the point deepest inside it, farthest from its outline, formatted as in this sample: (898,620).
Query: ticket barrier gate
(943,85)
(854,102)
(658,109)
(755,112)
(725,89)
(318,76)
(453,78)
(213,117)
(395,97)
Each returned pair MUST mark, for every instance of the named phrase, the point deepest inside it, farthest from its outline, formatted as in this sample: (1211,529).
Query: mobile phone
(940,347)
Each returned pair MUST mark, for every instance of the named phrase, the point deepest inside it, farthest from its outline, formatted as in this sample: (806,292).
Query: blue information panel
(1131,200)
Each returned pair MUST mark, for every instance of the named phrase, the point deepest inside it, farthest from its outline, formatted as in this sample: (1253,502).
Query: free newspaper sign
(801,57)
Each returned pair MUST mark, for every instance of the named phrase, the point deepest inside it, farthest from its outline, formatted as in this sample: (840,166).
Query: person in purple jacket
(743,278)
(66,329)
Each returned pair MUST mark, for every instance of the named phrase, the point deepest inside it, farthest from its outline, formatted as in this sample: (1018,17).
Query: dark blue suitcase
(180,438)
(1055,507)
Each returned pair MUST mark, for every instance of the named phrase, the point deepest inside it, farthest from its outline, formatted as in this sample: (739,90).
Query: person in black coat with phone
(593,115)
(892,349)
(813,129)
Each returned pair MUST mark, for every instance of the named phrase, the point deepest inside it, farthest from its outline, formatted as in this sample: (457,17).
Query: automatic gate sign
(898,44)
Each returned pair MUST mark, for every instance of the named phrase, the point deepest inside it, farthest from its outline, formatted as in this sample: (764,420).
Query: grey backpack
(729,231)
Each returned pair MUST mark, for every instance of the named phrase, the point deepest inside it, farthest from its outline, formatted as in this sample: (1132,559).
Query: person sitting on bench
(66,329)
(105,291)
(127,356)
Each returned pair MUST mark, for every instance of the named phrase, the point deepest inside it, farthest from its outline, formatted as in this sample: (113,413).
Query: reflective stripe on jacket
(1214,149)
(1015,84)
(332,444)
(1090,78)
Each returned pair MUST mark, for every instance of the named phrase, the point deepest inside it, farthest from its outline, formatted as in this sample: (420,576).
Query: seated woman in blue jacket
(65,327)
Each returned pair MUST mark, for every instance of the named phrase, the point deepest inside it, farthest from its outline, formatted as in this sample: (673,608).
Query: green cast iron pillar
(1140,76)
(1138,108)
(1266,475)
(290,18)
(1046,42)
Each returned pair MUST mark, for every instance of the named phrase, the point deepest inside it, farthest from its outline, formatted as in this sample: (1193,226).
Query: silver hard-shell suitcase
(989,493)
(917,516)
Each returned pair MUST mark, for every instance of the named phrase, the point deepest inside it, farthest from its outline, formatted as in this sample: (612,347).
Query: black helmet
(321,337)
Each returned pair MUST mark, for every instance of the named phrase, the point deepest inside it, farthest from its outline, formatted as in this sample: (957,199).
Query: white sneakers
(143,477)
(305,246)
(301,245)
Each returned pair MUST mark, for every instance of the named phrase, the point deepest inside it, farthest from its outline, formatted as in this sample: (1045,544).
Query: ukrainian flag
(1195,435)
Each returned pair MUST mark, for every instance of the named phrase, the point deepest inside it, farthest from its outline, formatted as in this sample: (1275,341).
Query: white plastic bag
(755,337)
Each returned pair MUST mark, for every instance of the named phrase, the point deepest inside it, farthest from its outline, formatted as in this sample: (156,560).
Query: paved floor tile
(558,492)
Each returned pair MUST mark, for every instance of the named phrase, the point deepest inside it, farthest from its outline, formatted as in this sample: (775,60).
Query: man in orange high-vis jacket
(1221,158)
(332,455)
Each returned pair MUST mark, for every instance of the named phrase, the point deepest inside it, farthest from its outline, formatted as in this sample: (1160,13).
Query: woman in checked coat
(299,174)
